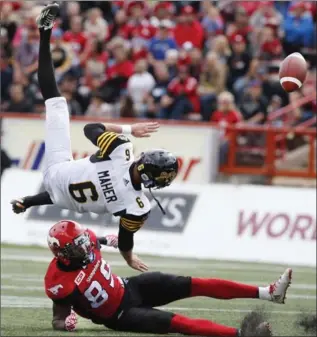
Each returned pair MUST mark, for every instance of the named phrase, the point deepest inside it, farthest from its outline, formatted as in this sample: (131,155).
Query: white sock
(264,293)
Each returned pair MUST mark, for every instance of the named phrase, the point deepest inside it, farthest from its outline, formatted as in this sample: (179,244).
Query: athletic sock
(222,289)
(46,75)
(200,327)
(264,293)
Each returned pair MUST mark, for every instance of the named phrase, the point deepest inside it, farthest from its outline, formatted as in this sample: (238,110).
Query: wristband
(126,129)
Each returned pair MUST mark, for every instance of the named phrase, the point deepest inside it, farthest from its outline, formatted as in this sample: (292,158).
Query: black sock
(45,73)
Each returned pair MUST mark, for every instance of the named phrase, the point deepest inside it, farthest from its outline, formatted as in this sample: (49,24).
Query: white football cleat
(278,289)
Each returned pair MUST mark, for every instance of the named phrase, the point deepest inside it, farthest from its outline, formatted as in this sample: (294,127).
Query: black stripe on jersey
(107,142)
(133,223)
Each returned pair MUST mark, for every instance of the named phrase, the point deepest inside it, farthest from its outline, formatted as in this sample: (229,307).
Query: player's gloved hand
(141,130)
(18,206)
(137,264)
(112,240)
(70,322)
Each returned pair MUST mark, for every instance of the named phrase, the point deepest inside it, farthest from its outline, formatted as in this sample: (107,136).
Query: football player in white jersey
(110,180)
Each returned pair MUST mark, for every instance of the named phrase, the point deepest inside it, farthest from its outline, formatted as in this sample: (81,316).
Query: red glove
(70,322)
(112,240)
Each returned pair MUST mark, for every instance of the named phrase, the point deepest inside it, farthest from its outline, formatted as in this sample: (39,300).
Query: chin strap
(158,203)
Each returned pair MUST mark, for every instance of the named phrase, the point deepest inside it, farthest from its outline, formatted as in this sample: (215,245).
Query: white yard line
(36,302)
(170,264)
(37,288)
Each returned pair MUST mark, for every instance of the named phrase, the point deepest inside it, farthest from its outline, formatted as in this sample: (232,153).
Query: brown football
(293,72)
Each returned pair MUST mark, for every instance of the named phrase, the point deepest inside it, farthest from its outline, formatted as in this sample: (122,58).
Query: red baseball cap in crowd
(183,68)
(165,5)
(237,38)
(133,4)
(187,10)
(266,3)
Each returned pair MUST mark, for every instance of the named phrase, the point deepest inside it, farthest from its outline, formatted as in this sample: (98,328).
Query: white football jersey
(100,183)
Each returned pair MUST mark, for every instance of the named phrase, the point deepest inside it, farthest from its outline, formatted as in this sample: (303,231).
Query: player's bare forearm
(126,249)
(140,130)
(127,255)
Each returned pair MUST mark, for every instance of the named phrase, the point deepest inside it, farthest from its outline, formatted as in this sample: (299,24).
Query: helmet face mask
(70,243)
(157,168)
(79,251)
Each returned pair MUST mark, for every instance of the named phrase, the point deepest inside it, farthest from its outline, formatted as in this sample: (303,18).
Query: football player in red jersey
(78,280)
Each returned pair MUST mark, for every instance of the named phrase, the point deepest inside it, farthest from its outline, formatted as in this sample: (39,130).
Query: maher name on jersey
(106,186)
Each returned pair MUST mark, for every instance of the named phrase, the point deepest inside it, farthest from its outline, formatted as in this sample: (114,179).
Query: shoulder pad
(59,284)
(107,142)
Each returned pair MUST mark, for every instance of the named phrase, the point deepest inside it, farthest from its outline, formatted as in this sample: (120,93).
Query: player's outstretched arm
(94,130)
(109,240)
(21,205)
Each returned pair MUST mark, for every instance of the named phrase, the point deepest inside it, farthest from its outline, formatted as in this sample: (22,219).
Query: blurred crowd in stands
(200,60)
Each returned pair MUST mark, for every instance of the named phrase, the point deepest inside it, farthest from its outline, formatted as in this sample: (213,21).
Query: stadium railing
(267,148)
(284,112)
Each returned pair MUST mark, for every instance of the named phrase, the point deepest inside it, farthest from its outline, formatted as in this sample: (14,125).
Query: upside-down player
(106,182)
(79,279)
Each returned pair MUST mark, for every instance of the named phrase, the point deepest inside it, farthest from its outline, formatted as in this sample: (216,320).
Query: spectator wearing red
(182,97)
(162,10)
(226,112)
(138,29)
(97,59)
(119,72)
(122,66)
(188,28)
(119,26)
(75,36)
(271,47)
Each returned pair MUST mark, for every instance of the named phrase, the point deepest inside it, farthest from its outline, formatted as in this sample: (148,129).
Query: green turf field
(25,311)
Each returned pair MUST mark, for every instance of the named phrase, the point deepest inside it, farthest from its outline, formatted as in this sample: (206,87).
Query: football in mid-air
(293,72)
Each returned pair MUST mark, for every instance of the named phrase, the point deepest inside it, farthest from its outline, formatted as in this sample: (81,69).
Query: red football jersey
(97,293)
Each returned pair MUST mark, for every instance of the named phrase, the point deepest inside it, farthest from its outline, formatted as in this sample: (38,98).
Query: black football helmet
(157,168)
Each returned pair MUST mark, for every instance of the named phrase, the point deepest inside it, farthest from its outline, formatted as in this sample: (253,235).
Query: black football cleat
(47,17)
